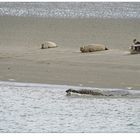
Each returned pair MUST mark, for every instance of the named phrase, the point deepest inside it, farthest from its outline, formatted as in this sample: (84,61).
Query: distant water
(72,9)
(46,108)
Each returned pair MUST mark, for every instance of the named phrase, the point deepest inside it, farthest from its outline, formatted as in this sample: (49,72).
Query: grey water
(26,107)
(71,9)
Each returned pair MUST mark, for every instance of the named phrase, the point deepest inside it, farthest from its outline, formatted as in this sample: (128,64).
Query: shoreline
(22,59)
(66,87)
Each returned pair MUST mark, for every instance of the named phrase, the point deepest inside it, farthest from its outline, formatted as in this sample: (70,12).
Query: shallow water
(72,9)
(46,108)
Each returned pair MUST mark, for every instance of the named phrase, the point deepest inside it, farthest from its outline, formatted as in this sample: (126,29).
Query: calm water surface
(46,108)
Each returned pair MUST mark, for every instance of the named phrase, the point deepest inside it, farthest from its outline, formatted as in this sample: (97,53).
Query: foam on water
(31,107)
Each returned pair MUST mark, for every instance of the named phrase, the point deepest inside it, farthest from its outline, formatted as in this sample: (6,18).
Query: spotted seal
(84,91)
(93,48)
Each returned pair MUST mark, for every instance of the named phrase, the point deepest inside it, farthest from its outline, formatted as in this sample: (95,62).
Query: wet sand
(22,60)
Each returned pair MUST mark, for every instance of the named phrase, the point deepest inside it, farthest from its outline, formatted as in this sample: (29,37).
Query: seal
(84,92)
(93,48)
(48,44)
(135,48)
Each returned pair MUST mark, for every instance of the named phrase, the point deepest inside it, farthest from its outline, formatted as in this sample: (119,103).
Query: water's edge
(113,91)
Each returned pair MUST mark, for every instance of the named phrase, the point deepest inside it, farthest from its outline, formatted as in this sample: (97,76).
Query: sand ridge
(22,59)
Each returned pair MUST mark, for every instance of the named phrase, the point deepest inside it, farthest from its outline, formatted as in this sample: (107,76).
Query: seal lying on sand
(135,48)
(84,91)
(48,44)
(93,48)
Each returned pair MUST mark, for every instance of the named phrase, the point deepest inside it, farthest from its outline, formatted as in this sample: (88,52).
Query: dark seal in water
(84,91)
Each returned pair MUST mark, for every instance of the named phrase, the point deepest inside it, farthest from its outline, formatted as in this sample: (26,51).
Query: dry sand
(22,59)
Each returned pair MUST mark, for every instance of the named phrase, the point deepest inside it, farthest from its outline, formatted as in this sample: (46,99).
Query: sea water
(72,9)
(26,107)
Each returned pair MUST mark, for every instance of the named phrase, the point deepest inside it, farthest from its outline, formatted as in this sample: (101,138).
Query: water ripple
(72,9)
(45,108)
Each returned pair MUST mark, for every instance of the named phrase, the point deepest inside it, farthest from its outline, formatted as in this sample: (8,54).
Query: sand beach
(22,60)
